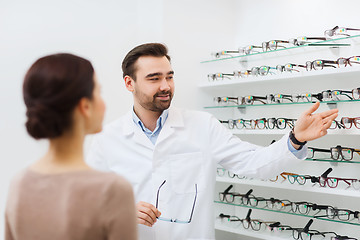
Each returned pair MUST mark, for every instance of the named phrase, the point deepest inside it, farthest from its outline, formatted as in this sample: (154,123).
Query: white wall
(103,32)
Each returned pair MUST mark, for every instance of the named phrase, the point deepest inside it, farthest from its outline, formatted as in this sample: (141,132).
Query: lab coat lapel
(175,119)
(130,129)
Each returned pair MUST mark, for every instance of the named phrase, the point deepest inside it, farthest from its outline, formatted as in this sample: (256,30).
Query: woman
(59,196)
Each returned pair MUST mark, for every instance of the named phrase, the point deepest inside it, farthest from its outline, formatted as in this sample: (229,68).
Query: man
(170,155)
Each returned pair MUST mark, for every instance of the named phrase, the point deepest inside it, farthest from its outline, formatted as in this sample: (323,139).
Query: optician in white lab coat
(170,155)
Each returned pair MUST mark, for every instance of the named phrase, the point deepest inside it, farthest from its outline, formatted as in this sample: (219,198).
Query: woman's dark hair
(148,49)
(52,88)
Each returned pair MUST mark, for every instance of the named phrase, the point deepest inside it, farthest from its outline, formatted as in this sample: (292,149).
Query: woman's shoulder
(111,179)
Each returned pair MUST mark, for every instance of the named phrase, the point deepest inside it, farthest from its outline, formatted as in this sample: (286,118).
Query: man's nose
(165,86)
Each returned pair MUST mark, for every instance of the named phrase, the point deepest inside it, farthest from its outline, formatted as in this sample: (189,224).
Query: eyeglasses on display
(174,220)
(299,41)
(236,100)
(219,76)
(272,45)
(319,64)
(290,67)
(238,123)
(344,62)
(224,53)
(336,124)
(348,122)
(339,31)
(261,71)
(336,153)
(278,98)
(249,49)
(307,97)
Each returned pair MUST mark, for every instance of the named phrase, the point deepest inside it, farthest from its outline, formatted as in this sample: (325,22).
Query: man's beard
(156,105)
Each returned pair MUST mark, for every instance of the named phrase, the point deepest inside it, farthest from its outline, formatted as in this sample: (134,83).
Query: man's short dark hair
(147,49)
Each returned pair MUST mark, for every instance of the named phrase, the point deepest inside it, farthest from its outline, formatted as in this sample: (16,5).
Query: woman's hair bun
(52,88)
(43,122)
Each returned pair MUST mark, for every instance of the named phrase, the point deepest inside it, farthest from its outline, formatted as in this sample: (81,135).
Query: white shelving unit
(289,83)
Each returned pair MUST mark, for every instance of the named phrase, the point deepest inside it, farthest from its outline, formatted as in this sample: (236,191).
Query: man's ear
(129,83)
(84,107)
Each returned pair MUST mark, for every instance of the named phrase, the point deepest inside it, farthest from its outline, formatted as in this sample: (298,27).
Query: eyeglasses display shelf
(250,233)
(325,74)
(286,185)
(335,42)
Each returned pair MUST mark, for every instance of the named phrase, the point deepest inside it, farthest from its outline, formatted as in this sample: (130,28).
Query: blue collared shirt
(159,124)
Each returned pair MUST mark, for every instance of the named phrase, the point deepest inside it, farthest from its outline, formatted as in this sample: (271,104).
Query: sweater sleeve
(119,211)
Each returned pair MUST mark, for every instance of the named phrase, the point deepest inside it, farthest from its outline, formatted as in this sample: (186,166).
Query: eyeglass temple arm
(226,51)
(344,93)
(248,215)
(357,151)
(286,173)
(275,224)
(306,228)
(315,38)
(321,150)
(228,189)
(221,215)
(193,207)
(326,173)
(248,193)
(157,195)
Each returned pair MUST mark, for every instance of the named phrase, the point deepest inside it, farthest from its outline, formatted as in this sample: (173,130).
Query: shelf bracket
(242,109)
(332,105)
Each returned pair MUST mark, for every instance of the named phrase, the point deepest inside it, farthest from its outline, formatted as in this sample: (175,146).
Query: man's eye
(170,77)
(154,79)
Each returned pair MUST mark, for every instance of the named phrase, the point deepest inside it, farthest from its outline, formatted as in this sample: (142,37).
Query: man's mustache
(163,93)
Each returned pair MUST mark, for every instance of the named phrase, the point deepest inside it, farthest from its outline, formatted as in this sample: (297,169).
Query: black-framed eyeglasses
(305,233)
(339,31)
(319,64)
(289,67)
(336,124)
(280,123)
(272,45)
(172,219)
(336,153)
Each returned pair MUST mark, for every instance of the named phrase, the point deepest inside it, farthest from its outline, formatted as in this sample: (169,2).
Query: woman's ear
(84,107)
(129,83)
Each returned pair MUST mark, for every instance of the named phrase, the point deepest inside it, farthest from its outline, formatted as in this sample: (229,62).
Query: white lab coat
(190,146)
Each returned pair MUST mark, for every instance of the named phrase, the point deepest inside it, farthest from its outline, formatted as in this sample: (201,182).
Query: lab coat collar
(175,119)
